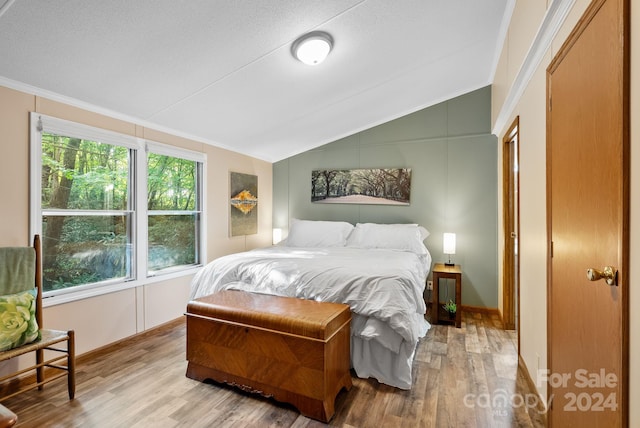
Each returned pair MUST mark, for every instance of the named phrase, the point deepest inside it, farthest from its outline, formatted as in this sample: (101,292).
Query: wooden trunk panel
(304,371)
(288,362)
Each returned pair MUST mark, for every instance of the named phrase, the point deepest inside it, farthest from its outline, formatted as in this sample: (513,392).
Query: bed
(378,270)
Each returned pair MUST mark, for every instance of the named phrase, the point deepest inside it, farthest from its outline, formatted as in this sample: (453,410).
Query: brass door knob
(609,273)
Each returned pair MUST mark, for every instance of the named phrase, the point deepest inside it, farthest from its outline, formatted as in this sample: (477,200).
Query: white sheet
(384,289)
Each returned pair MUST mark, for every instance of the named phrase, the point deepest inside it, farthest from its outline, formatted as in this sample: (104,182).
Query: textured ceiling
(222,71)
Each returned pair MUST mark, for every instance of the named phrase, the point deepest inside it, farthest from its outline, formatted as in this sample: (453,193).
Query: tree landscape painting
(244,203)
(385,186)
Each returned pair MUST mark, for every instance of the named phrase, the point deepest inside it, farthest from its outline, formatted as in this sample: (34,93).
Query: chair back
(20,270)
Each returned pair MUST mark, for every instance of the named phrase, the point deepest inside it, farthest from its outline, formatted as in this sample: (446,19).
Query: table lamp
(449,246)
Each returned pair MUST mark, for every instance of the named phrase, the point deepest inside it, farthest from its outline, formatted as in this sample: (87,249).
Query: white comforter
(385,286)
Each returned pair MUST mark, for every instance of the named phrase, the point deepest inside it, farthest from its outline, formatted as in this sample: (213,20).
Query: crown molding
(551,23)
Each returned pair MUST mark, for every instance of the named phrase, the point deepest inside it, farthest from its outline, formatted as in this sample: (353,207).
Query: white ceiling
(222,71)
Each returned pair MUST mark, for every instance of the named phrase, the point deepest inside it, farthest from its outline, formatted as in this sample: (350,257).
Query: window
(99,197)
(173,210)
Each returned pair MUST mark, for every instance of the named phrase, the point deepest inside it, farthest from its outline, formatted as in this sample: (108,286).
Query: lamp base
(449,264)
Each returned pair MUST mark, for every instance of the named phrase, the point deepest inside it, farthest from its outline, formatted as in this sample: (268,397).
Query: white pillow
(309,233)
(407,237)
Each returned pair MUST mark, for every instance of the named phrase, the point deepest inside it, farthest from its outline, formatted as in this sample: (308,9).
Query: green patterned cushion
(18,324)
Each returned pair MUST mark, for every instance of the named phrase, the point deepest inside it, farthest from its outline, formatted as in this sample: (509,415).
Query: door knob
(609,273)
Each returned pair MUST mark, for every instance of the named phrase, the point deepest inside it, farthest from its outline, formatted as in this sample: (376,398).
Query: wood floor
(466,377)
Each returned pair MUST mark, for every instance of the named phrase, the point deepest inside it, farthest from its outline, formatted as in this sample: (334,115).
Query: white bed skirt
(370,358)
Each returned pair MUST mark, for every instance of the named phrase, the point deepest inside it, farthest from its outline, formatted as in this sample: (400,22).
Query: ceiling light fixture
(312,48)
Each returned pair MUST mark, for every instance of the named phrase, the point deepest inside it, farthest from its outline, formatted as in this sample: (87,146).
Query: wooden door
(587,181)
(511,215)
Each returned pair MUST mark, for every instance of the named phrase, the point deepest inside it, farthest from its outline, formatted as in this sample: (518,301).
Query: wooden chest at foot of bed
(294,350)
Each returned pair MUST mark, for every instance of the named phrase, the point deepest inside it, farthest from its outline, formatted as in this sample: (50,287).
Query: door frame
(511,279)
(623,274)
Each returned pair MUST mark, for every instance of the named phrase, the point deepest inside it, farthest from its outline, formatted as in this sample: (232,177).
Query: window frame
(136,205)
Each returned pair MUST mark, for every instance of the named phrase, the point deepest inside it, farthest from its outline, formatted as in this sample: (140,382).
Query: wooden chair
(62,359)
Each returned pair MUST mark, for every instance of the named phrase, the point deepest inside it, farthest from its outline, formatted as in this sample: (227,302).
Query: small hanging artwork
(243,204)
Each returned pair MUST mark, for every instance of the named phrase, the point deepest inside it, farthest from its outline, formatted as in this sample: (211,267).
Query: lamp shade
(312,48)
(449,243)
(277,236)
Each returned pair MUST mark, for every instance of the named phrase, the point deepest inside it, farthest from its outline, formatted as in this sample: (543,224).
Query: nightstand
(438,313)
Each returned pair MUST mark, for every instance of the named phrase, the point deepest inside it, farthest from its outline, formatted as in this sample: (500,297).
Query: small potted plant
(451,308)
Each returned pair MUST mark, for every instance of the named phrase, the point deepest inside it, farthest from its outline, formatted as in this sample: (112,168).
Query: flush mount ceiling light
(312,48)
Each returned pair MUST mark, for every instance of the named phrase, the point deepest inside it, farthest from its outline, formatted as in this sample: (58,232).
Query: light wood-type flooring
(466,377)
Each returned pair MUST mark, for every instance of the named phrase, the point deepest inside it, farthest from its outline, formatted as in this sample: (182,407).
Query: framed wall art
(382,186)
(243,191)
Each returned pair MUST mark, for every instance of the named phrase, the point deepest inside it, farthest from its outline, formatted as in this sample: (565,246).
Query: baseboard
(120,343)
(482,309)
(541,407)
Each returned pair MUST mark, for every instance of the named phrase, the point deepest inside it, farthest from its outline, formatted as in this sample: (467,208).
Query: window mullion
(56,212)
(142,224)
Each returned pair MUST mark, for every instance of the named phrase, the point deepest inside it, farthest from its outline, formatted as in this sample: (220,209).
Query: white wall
(530,108)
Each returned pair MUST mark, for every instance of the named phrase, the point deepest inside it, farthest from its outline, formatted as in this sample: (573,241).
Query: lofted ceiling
(221,72)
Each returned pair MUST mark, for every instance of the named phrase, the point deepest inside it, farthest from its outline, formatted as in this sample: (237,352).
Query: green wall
(453,158)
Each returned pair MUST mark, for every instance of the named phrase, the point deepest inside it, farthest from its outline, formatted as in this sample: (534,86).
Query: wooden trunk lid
(308,318)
